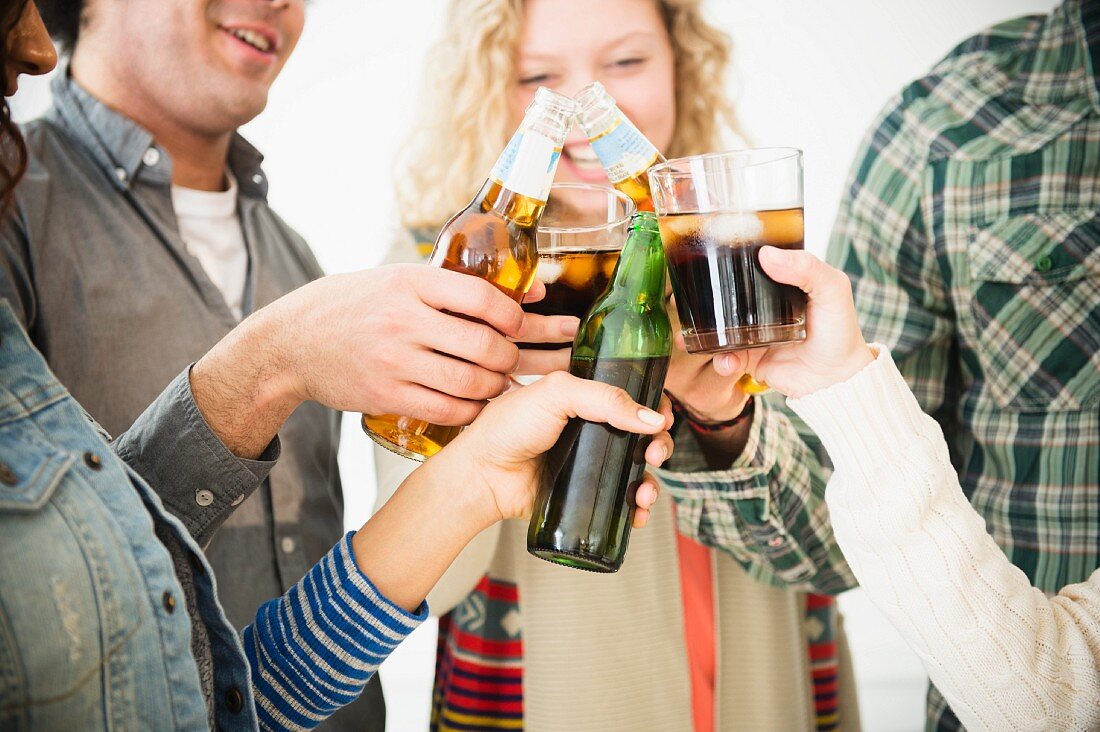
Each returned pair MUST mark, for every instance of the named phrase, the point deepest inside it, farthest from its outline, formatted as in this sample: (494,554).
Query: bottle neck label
(527,165)
(624,152)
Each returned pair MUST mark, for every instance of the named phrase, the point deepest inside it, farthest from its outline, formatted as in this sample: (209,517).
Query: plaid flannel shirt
(970,229)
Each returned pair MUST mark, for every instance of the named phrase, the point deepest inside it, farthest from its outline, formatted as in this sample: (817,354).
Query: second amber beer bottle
(492,238)
(626,156)
(585,504)
(624,152)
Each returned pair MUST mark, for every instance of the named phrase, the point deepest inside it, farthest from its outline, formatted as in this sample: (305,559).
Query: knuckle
(556,380)
(440,409)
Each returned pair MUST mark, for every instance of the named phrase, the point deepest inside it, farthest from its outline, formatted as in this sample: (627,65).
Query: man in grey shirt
(99,268)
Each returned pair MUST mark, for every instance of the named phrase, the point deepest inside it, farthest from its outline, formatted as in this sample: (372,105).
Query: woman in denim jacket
(109,617)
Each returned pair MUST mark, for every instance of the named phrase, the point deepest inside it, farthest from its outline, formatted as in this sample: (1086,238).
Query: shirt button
(257,179)
(151,157)
(234,700)
(7,475)
(1044,263)
(204,497)
(120,173)
(169,602)
(775,541)
(238,500)
(93,461)
(288,544)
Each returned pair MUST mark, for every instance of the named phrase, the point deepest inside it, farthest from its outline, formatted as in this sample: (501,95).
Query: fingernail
(650,417)
(724,363)
(569,327)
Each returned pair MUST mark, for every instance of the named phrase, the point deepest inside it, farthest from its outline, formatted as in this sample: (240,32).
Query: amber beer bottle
(492,238)
(624,152)
(626,156)
(585,503)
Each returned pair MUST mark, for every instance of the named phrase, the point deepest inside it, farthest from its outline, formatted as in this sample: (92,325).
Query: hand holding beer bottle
(493,238)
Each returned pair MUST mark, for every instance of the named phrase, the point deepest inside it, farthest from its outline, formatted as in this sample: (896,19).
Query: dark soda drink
(724,299)
(594,470)
(574,279)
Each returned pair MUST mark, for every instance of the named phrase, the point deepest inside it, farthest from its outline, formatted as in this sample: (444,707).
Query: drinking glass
(579,239)
(715,212)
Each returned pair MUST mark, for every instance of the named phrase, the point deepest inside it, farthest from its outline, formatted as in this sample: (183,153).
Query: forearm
(415,536)
(242,386)
(766,509)
(313,650)
(999,650)
(469,566)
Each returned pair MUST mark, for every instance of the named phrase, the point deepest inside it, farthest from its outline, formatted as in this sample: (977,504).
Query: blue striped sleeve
(313,650)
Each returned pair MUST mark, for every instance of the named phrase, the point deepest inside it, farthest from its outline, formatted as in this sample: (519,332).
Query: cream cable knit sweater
(1004,655)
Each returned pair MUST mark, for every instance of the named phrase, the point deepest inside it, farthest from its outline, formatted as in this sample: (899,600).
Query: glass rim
(667,168)
(631,209)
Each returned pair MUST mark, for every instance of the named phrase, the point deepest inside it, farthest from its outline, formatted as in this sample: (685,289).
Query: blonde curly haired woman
(528,645)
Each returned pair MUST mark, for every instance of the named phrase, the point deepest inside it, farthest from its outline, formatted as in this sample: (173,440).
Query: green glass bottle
(585,503)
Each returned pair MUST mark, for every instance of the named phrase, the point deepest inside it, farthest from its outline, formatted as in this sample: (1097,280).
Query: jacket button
(234,700)
(7,475)
(204,497)
(92,461)
(1044,263)
(169,602)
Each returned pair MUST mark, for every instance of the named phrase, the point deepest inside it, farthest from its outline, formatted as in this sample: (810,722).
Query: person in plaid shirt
(969,230)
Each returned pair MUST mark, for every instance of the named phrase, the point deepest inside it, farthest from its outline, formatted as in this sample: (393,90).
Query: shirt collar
(1063,62)
(126,151)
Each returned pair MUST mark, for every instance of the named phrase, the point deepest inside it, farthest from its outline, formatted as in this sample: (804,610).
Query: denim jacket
(94,633)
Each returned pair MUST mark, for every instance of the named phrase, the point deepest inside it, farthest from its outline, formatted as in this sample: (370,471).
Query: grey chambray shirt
(94,266)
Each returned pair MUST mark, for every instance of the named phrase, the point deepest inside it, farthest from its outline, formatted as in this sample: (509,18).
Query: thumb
(569,396)
(822,284)
(734,362)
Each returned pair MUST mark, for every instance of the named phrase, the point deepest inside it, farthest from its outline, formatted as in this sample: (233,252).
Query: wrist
(460,482)
(704,424)
(243,388)
(857,360)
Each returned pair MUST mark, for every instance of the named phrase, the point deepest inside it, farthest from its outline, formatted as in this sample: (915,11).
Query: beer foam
(731,227)
(549,271)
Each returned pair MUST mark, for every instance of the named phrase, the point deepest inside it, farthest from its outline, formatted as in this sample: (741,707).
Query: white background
(810,74)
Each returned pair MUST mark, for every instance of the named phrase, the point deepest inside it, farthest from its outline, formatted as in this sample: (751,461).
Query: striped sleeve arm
(313,650)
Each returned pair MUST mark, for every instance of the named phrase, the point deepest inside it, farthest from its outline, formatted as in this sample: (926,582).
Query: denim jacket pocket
(69,611)
(44,472)
(1035,281)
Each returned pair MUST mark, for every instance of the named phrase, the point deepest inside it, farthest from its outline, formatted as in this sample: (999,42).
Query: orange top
(697,590)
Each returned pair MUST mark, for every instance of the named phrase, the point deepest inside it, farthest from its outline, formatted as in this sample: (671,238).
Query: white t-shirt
(211,232)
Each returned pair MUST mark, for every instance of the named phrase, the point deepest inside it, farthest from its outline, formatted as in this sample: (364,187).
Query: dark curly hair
(13,151)
(64,19)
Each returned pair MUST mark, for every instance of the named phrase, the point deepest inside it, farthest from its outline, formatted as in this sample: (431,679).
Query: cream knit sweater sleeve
(1004,655)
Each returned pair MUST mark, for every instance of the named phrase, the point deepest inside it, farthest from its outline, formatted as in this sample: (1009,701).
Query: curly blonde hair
(464,118)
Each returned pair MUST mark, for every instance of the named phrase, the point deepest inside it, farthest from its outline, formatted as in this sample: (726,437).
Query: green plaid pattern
(970,231)
(768,509)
